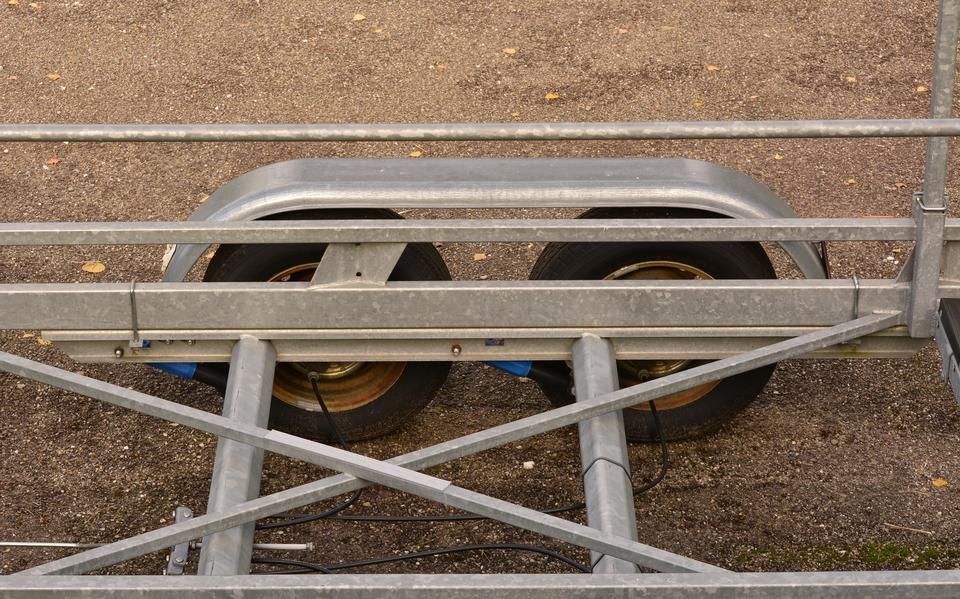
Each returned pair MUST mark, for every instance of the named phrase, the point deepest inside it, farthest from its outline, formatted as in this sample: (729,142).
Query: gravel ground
(831,467)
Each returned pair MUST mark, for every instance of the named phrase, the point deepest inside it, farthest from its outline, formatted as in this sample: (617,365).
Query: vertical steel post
(930,207)
(237,468)
(607,485)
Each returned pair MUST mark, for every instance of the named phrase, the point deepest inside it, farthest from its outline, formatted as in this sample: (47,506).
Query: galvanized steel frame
(859,308)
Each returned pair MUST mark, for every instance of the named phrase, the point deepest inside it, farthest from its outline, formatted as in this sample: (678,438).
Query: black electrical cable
(302,567)
(295,520)
(305,567)
(638,490)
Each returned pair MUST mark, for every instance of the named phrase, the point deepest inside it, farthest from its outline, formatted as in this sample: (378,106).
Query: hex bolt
(455,350)
(178,560)
(118,353)
(190,341)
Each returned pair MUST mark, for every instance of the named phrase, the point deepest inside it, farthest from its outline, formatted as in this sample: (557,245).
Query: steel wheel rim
(343,385)
(634,372)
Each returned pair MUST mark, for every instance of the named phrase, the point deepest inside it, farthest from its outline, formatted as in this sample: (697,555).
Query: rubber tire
(721,260)
(419,381)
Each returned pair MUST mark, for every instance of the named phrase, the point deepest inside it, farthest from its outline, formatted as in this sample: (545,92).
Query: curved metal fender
(489,183)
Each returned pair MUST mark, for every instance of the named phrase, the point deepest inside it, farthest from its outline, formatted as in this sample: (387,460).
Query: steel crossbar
(397,474)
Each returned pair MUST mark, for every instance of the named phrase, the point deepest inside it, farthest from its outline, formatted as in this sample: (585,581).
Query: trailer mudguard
(490,183)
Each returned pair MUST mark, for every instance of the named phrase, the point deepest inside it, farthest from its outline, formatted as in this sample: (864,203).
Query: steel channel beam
(502,346)
(795,585)
(483,131)
(237,466)
(929,209)
(449,304)
(357,264)
(466,230)
(423,458)
(607,485)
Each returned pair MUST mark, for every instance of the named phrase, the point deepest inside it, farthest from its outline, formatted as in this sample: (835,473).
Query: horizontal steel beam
(449,304)
(483,131)
(792,585)
(466,230)
(423,458)
(496,345)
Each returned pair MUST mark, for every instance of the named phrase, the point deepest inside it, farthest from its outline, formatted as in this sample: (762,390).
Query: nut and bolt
(455,350)
(118,353)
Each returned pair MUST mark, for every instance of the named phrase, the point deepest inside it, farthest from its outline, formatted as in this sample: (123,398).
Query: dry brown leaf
(376,29)
(359,17)
(415,154)
(851,181)
(622,30)
(13,2)
(922,89)
(899,184)
(12,77)
(939,482)
(440,66)
(53,161)
(552,96)
(712,67)
(754,98)
(850,79)
(479,257)
(93,267)
(698,103)
(514,114)
(44,342)
(777,157)
(27,335)
(34,5)
(666,28)
(509,50)
(53,77)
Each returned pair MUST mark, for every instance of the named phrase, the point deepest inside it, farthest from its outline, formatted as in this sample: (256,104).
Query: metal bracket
(135,340)
(918,200)
(856,297)
(178,553)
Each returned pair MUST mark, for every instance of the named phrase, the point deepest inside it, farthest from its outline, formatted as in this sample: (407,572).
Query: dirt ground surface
(832,468)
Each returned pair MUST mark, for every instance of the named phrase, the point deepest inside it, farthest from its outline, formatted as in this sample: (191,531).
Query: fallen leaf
(514,114)
(377,29)
(13,2)
(27,335)
(868,99)
(922,89)
(698,103)
(552,96)
(12,77)
(509,50)
(415,154)
(34,5)
(754,98)
(777,157)
(939,482)
(850,79)
(53,77)
(851,181)
(203,198)
(93,267)
(44,342)
(666,28)
(358,17)
(899,184)
(440,66)
(622,30)
(53,161)
(479,257)
(712,67)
